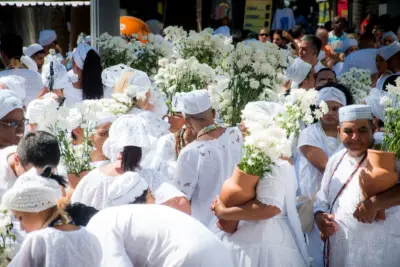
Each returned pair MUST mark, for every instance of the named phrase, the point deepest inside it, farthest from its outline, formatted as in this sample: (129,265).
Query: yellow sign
(257,15)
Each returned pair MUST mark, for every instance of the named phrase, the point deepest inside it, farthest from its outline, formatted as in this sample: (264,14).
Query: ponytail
(47,173)
(131,157)
(92,85)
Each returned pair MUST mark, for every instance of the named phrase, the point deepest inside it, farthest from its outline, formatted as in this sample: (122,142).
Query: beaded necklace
(179,142)
(208,129)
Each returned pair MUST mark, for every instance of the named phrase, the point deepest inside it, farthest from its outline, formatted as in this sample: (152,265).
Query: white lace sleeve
(186,177)
(271,189)
(31,254)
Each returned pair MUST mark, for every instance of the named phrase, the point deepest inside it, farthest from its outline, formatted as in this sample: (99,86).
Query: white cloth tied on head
(270,109)
(111,75)
(126,188)
(60,75)
(32,193)
(390,34)
(361,59)
(9,101)
(298,71)
(138,85)
(355,113)
(331,94)
(47,37)
(79,55)
(223,30)
(374,101)
(349,42)
(195,102)
(37,109)
(29,63)
(389,51)
(105,117)
(15,84)
(32,49)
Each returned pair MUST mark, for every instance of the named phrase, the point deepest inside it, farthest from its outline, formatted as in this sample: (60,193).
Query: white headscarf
(138,85)
(111,75)
(390,50)
(374,101)
(37,109)
(361,59)
(390,34)
(46,37)
(125,189)
(298,71)
(60,75)
(331,94)
(9,101)
(15,84)
(80,54)
(32,49)
(195,102)
(349,42)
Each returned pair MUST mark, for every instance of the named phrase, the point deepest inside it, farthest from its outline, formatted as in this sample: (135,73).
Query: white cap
(298,71)
(138,85)
(32,193)
(374,101)
(348,42)
(388,51)
(37,109)
(361,59)
(111,75)
(125,189)
(331,94)
(60,75)
(29,63)
(355,113)
(9,101)
(15,84)
(390,34)
(195,102)
(79,55)
(47,37)
(32,49)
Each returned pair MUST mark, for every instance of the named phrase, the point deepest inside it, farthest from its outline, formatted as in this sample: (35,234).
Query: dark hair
(39,52)
(92,86)
(141,199)
(131,157)
(39,149)
(324,69)
(47,173)
(296,31)
(314,40)
(80,213)
(391,80)
(279,32)
(328,25)
(340,87)
(11,45)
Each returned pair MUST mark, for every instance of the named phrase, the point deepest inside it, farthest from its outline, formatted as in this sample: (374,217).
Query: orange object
(131,25)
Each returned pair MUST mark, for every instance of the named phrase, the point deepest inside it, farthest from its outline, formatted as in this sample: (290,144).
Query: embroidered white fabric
(50,247)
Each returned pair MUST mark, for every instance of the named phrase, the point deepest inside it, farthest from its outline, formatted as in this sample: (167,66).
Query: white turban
(138,85)
(390,34)
(374,101)
(80,54)
(298,71)
(361,59)
(195,102)
(388,51)
(15,84)
(349,42)
(37,109)
(32,193)
(331,94)
(29,63)
(111,75)
(125,189)
(47,37)
(32,49)
(60,75)
(9,101)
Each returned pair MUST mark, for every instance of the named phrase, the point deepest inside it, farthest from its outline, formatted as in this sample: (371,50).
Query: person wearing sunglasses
(263,35)
(12,121)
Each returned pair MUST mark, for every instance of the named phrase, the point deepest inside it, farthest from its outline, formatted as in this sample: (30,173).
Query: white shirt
(202,168)
(72,96)
(50,247)
(33,82)
(7,175)
(153,236)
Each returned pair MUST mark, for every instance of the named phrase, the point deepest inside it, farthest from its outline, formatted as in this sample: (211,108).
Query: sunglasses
(14,124)
(263,34)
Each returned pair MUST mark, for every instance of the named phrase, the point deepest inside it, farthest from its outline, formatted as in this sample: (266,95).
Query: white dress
(166,153)
(356,244)
(155,236)
(72,96)
(202,168)
(7,175)
(278,241)
(50,247)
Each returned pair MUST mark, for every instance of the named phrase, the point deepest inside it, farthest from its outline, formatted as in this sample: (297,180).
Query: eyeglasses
(263,34)
(14,124)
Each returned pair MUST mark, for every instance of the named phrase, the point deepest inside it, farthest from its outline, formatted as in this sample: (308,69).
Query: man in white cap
(48,39)
(207,162)
(37,53)
(301,74)
(338,211)
(391,54)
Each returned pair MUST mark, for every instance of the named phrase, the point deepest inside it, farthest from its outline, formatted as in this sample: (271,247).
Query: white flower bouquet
(359,83)
(183,76)
(7,238)
(116,50)
(255,73)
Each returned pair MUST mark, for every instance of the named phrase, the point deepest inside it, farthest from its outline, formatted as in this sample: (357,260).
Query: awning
(44,3)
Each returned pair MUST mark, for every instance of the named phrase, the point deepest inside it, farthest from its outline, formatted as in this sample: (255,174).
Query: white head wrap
(355,113)
(138,85)
(388,51)
(46,37)
(9,101)
(223,30)
(80,53)
(15,84)
(32,49)
(32,193)
(270,109)
(60,76)
(331,94)
(29,63)
(374,101)
(361,59)
(298,71)
(37,109)
(390,34)
(348,42)
(125,189)
(104,117)
(195,102)
(111,75)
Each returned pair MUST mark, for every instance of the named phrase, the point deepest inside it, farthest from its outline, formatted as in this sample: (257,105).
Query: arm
(290,39)
(315,156)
